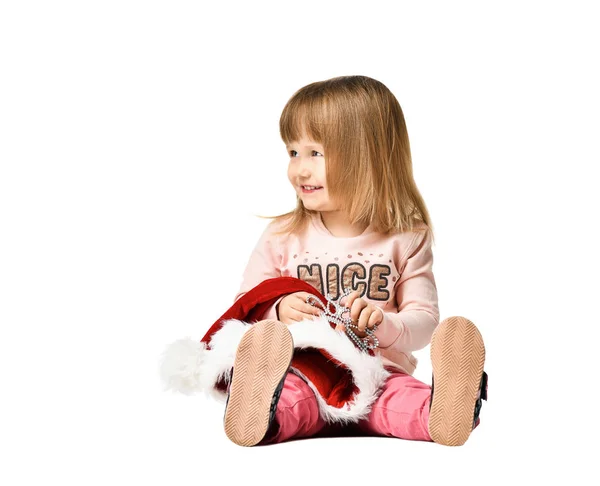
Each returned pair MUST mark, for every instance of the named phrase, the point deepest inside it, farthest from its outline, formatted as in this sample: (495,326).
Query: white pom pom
(182,365)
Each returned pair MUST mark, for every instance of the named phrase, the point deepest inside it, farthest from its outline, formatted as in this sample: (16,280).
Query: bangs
(304,115)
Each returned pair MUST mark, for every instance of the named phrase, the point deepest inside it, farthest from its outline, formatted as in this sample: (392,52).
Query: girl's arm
(411,328)
(264,263)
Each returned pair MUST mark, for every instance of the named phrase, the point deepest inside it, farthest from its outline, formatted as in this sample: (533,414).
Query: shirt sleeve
(264,263)
(411,328)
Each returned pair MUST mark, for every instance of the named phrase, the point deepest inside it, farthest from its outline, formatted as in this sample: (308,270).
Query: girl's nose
(304,173)
(303,169)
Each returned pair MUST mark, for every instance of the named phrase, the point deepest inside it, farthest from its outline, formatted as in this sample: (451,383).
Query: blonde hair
(361,127)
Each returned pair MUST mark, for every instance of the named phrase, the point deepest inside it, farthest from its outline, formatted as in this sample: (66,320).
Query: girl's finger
(304,308)
(363,320)
(376,317)
(302,316)
(305,295)
(357,306)
(344,300)
(309,309)
(349,299)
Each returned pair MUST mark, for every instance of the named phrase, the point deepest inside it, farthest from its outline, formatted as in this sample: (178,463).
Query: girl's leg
(459,384)
(402,409)
(297,414)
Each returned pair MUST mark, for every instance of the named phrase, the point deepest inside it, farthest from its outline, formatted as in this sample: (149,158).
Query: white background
(138,140)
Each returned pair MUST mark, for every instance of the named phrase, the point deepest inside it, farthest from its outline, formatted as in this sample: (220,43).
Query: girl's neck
(338,225)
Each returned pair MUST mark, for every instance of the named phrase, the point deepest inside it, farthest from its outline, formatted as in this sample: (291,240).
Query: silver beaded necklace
(366,343)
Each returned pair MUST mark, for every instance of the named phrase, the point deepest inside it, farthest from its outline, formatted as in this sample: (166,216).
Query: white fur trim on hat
(189,366)
(368,372)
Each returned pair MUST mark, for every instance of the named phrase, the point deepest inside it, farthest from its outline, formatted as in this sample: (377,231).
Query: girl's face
(307,168)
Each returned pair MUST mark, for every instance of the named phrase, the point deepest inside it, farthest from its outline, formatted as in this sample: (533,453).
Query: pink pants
(401,410)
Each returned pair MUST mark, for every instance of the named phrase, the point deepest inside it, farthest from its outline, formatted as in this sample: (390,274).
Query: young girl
(360,234)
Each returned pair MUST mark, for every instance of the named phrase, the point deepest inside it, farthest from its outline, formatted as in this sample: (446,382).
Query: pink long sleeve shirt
(393,272)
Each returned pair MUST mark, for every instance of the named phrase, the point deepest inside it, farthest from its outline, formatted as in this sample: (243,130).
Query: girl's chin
(312,206)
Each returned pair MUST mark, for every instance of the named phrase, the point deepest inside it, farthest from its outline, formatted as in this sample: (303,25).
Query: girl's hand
(294,308)
(367,315)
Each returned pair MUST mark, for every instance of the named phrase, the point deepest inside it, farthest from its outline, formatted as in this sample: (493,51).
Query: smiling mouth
(310,189)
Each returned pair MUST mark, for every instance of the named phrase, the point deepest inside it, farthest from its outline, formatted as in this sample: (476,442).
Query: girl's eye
(292,152)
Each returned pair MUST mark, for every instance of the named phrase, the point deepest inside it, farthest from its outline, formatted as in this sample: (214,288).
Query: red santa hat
(345,378)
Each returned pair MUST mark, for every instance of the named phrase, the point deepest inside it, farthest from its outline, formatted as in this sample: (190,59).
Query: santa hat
(346,379)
